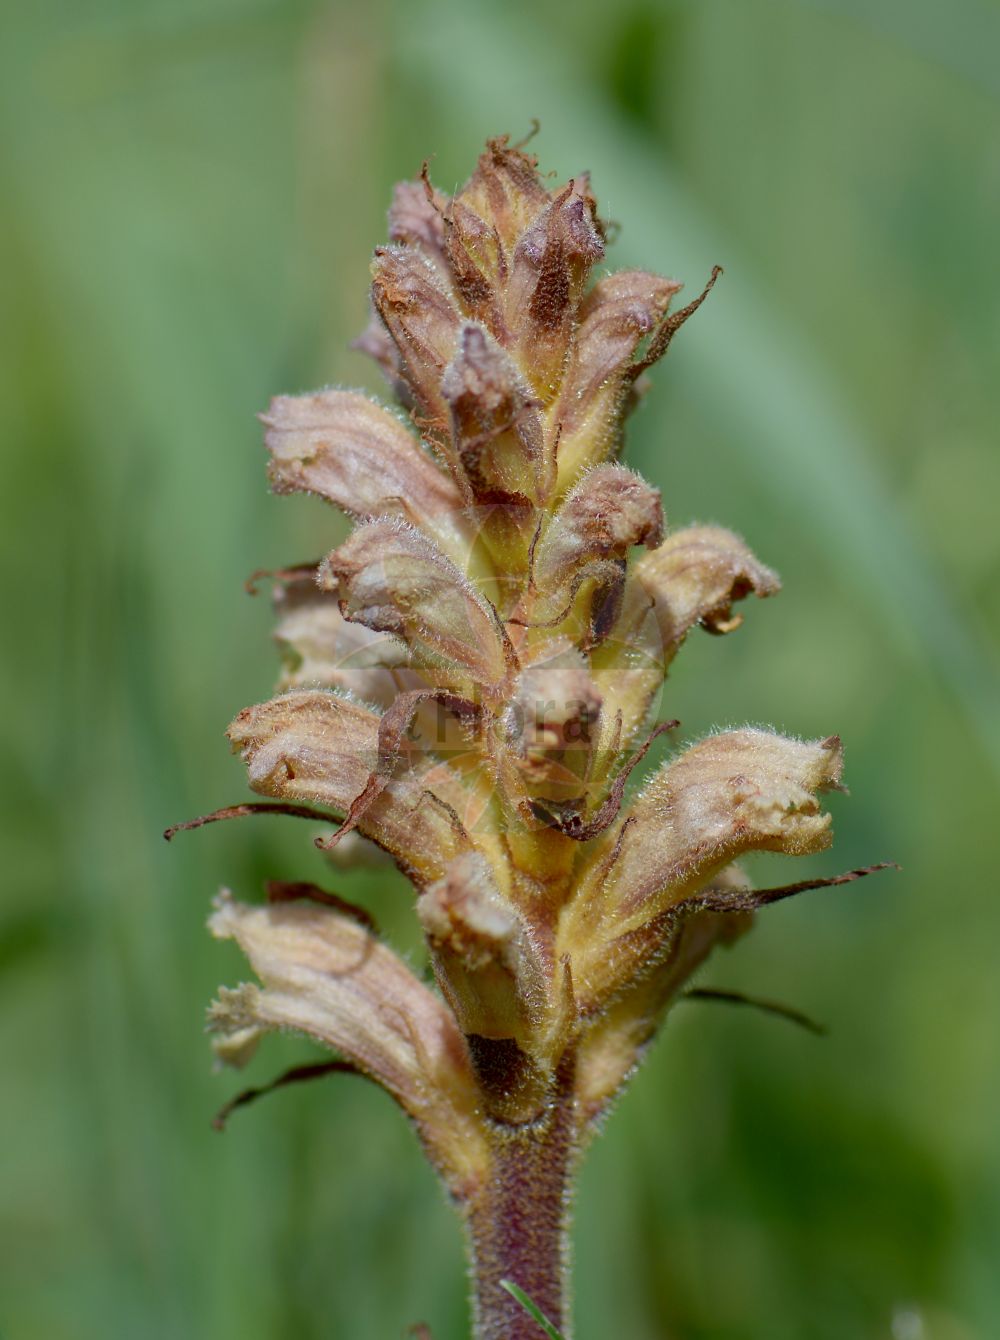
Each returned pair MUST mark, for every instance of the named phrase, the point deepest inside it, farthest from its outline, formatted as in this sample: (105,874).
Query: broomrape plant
(468,682)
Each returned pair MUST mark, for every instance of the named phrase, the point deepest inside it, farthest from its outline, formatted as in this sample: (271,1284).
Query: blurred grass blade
(531,1308)
(962,37)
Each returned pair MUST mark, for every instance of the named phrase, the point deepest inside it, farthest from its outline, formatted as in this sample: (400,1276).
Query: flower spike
(468,683)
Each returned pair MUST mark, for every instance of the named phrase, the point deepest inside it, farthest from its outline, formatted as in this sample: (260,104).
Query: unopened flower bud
(583,551)
(421,318)
(619,311)
(505,193)
(488,968)
(550,264)
(496,427)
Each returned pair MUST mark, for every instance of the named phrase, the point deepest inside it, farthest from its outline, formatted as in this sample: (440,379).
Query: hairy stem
(518,1227)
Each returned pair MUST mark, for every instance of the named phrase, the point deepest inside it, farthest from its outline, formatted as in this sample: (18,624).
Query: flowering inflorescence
(468,680)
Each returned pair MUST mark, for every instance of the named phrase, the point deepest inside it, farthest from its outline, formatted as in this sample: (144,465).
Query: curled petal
(325,975)
(739,791)
(486,963)
(319,747)
(619,311)
(320,647)
(356,454)
(394,579)
(695,577)
(306,745)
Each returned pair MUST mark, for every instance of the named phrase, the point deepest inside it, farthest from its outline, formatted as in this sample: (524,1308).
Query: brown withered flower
(468,681)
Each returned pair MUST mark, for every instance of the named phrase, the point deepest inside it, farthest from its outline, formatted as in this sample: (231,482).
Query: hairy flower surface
(468,681)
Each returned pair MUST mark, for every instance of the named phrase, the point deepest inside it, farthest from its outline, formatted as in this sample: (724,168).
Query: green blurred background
(191,192)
